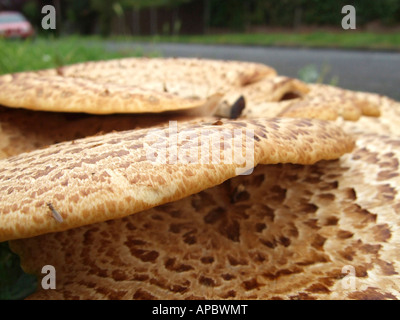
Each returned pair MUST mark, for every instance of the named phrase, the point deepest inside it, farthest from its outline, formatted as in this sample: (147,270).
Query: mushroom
(26,130)
(268,89)
(113,175)
(132,85)
(130,222)
(192,87)
(319,101)
(323,231)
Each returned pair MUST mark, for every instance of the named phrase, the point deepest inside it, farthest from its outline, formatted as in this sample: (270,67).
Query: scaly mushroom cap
(67,94)
(321,102)
(268,89)
(134,85)
(387,124)
(182,76)
(106,177)
(26,130)
(326,231)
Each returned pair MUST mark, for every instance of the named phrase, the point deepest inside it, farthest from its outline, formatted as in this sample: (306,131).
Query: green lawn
(34,54)
(344,39)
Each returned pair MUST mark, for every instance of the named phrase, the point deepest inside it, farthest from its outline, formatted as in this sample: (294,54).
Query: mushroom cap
(182,76)
(132,85)
(320,102)
(284,232)
(110,176)
(69,94)
(387,124)
(267,89)
(27,130)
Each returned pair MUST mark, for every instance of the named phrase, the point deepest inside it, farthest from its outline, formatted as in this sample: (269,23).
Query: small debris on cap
(55,213)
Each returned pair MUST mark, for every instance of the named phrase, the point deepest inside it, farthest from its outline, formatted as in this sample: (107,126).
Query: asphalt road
(357,70)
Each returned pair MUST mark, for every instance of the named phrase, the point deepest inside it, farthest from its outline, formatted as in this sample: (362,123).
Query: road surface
(357,70)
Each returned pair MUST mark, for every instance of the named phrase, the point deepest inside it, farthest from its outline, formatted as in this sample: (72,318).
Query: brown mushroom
(110,176)
(325,231)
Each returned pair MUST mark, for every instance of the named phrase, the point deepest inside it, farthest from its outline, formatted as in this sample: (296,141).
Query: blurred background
(300,38)
(188,17)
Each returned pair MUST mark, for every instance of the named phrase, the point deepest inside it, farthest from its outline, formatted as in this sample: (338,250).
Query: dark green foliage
(95,16)
(14,283)
(285,13)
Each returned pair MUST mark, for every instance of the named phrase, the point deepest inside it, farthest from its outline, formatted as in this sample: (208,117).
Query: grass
(41,53)
(343,39)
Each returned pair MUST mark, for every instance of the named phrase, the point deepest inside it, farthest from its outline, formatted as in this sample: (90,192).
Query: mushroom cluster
(189,179)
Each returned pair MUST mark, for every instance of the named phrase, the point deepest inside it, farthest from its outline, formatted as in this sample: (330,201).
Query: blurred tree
(386,11)
(104,10)
(81,16)
(107,9)
(238,15)
(136,5)
(32,12)
(12,4)
(233,14)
